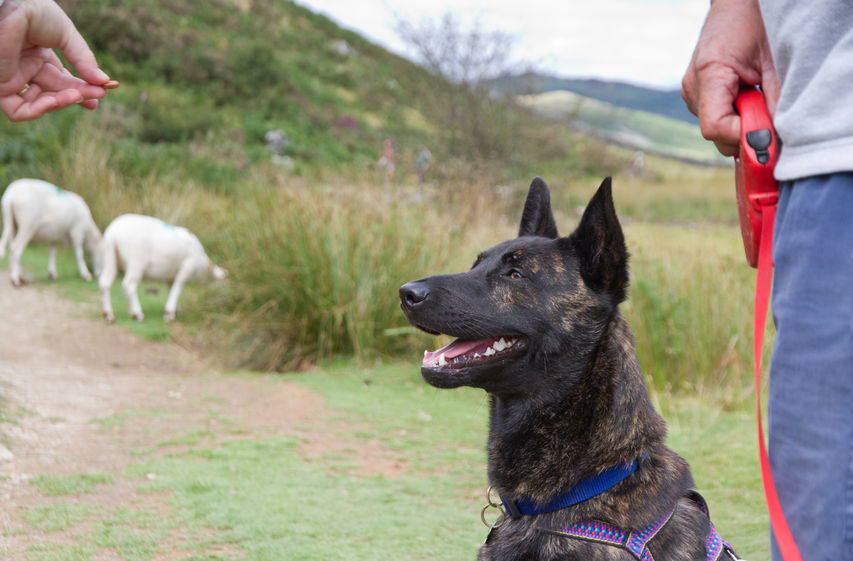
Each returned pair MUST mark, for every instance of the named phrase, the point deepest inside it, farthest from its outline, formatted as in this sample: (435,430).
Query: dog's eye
(514,274)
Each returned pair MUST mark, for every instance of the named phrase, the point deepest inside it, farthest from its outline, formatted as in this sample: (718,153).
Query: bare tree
(473,120)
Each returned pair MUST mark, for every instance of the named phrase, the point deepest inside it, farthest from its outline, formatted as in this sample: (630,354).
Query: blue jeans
(810,406)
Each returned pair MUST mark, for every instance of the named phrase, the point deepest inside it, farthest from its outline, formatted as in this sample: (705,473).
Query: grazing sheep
(148,248)
(37,210)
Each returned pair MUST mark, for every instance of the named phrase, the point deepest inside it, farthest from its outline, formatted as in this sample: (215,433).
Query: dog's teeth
(477,355)
(489,352)
(441,360)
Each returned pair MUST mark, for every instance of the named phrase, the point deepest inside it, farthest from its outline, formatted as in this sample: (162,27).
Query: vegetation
(317,245)
(660,102)
(232,495)
(640,130)
(317,248)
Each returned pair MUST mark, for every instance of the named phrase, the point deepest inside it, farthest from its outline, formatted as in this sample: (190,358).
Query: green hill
(249,67)
(203,83)
(666,102)
(636,129)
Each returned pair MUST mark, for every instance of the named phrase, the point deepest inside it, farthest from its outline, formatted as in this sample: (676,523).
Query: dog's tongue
(456,348)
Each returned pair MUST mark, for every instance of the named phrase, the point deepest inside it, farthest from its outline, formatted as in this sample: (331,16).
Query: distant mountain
(661,102)
(632,128)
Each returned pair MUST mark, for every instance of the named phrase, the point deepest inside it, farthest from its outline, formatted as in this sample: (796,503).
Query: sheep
(37,210)
(148,248)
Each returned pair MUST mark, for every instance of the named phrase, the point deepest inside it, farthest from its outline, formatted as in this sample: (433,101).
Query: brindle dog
(539,328)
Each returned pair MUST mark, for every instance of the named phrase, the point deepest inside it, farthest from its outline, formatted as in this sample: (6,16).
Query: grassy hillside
(666,102)
(202,83)
(221,74)
(633,128)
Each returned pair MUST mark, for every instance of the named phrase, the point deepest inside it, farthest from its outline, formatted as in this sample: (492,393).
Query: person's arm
(33,80)
(732,50)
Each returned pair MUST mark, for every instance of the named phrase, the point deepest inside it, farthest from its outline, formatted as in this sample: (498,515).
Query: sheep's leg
(105,284)
(130,284)
(171,310)
(16,249)
(51,263)
(77,242)
(8,228)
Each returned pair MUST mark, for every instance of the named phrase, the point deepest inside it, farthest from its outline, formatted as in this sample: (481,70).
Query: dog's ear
(600,246)
(537,219)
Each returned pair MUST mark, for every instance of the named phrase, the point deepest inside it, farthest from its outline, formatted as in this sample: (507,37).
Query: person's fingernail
(102,76)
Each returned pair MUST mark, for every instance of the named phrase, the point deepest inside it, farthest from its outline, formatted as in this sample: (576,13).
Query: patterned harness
(636,542)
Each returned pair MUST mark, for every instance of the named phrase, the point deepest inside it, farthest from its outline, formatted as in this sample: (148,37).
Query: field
(283,416)
(386,467)
(347,461)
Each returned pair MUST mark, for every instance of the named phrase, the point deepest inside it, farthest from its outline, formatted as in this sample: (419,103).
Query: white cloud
(642,41)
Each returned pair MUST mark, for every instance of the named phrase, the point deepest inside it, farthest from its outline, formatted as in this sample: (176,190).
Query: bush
(166,117)
(316,272)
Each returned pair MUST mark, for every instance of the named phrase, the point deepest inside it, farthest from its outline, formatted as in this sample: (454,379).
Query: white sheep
(35,210)
(148,248)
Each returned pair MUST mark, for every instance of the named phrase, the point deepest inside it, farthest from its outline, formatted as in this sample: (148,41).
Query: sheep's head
(218,273)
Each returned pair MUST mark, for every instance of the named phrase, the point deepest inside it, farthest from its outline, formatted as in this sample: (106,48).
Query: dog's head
(525,301)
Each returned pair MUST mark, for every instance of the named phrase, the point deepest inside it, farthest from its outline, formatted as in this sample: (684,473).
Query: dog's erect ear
(600,246)
(537,219)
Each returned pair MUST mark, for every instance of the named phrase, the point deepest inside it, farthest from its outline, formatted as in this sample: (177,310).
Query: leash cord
(779,525)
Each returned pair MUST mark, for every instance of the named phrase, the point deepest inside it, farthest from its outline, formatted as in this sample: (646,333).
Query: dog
(575,447)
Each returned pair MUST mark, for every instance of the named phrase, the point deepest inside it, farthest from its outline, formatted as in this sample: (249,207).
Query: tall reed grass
(315,272)
(690,306)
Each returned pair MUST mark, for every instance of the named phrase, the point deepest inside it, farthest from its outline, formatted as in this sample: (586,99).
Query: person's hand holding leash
(732,50)
(33,80)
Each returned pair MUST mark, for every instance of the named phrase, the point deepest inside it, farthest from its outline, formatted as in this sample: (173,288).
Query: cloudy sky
(647,42)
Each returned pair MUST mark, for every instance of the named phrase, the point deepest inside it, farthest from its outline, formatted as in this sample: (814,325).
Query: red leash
(757,195)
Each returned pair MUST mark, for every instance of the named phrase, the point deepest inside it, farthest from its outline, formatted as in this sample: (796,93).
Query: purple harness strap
(637,541)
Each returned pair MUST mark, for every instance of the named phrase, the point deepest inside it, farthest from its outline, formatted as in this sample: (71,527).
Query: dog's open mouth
(462,353)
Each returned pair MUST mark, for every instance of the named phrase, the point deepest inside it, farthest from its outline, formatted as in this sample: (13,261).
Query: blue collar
(582,491)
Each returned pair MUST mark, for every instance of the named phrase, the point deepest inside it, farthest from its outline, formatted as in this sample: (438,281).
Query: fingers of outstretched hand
(43,24)
(16,108)
(32,101)
(35,103)
(54,77)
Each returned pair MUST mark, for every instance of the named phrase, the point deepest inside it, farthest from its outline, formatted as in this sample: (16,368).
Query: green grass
(58,552)
(252,498)
(152,296)
(55,517)
(75,484)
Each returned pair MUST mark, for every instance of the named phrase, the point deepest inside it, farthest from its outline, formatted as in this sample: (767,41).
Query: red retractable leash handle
(757,195)
(757,190)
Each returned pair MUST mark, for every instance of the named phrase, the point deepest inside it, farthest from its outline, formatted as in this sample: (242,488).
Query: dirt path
(65,378)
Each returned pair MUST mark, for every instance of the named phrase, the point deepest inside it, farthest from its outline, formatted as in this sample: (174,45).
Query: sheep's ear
(537,219)
(600,246)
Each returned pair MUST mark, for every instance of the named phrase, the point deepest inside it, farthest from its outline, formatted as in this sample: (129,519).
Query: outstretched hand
(33,80)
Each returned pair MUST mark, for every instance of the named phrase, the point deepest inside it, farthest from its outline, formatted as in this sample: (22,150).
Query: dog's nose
(413,293)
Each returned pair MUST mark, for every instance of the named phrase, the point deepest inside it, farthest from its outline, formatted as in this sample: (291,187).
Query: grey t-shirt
(812,46)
